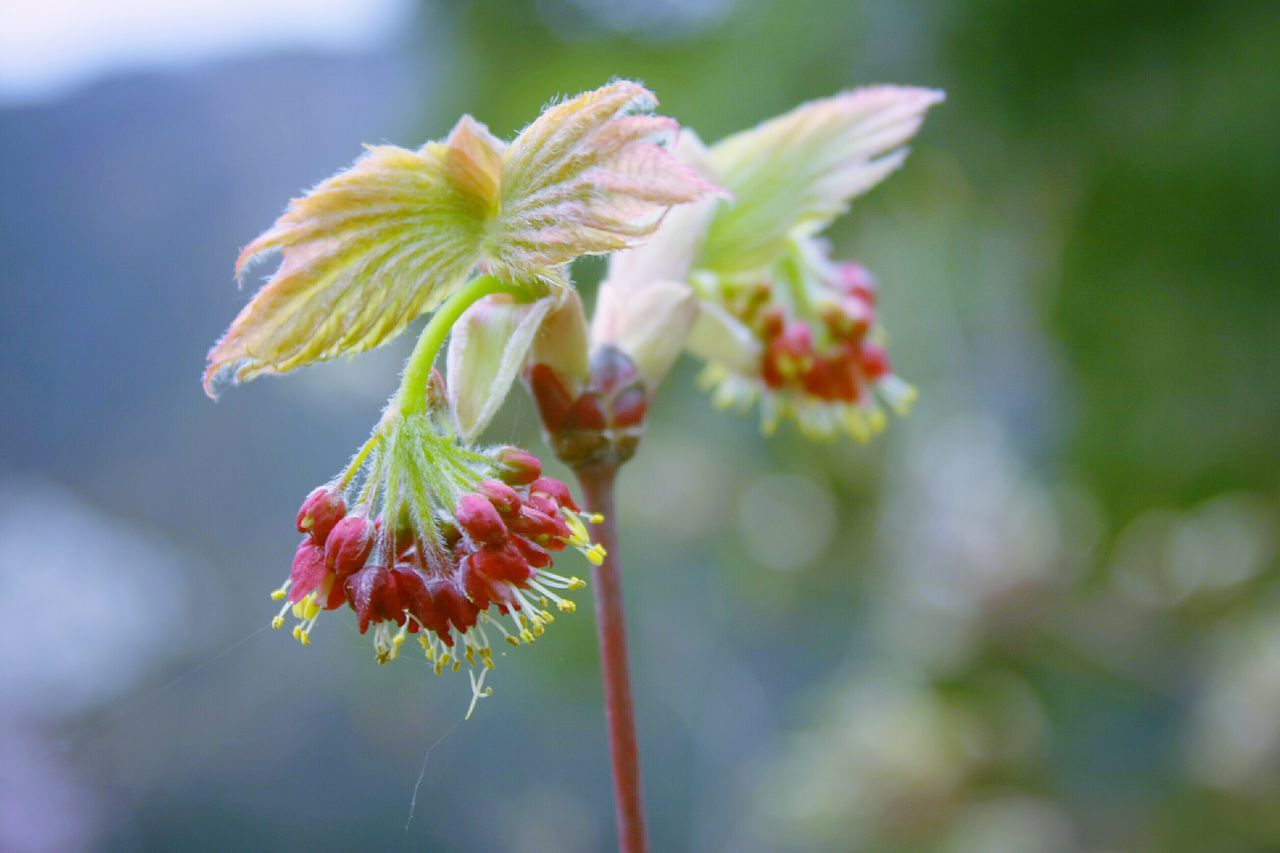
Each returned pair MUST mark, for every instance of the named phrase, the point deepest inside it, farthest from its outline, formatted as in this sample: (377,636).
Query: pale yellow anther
(277,594)
(577,583)
(566,605)
(595,518)
(457,664)
(277,622)
(439,667)
(595,555)
(547,616)
(512,640)
(488,663)
(304,637)
(526,636)
(312,609)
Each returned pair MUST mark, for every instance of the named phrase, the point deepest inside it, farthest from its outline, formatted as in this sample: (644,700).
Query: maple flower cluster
(481,556)
(822,360)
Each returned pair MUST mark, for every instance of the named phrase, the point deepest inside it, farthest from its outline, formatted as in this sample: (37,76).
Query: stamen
(478,690)
(282,591)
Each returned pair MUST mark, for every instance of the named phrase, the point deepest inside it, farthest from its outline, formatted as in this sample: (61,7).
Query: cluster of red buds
(596,420)
(447,577)
(843,365)
(820,361)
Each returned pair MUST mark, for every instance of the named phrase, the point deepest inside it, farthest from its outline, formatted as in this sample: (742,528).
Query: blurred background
(1040,614)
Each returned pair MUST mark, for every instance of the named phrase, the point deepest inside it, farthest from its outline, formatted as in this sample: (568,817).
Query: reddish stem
(597,488)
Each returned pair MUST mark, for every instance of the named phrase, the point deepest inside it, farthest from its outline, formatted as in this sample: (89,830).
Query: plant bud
(522,467)
(322,509)
(480,520)
(349,545)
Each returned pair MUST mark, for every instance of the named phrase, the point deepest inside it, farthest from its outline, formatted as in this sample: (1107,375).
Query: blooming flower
(779,321)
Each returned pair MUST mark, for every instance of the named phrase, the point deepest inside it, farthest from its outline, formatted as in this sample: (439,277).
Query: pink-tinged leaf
(364,253)
(587,177)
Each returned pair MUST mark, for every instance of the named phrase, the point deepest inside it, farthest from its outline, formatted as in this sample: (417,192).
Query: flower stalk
(412,396)
(597,484)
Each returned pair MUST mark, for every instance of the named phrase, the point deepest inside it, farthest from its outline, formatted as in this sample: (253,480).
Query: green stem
(793,276)
(412,396)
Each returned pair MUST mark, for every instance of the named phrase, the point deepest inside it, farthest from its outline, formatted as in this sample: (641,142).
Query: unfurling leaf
(792,175)
(587,177)
(373,247)
(364,253)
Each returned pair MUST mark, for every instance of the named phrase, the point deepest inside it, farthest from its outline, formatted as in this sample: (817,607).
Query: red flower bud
(372,594)
(503,497)
(486,572)
(544,529)
(308,570)
(322,509)
(504,563)
(411,590)
(480,520)
(521,466)
(450,606)
(554,489)
(349,545)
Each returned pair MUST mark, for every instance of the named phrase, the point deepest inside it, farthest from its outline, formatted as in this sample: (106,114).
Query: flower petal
(364,253)
(793,174)
(487,348)
(587,177)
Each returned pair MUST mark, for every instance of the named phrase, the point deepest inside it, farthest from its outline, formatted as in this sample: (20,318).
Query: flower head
(423,536)
(371,248)
(804,343)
